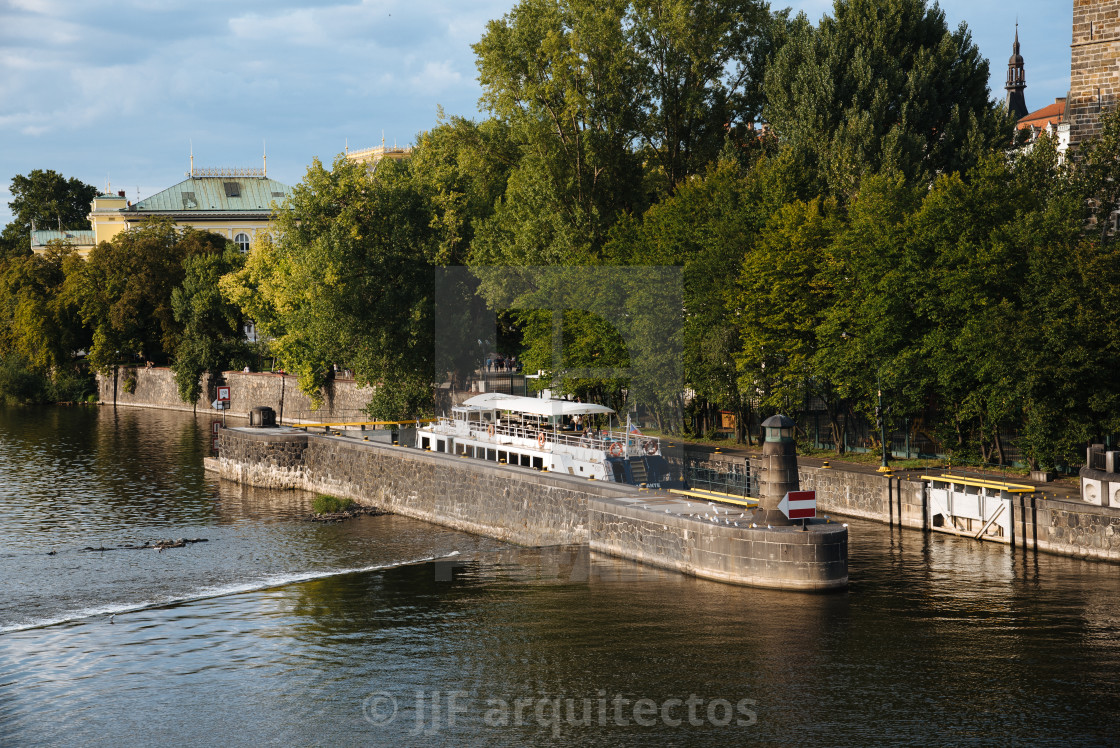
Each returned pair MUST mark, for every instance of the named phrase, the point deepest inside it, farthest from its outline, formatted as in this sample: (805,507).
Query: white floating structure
(551,435)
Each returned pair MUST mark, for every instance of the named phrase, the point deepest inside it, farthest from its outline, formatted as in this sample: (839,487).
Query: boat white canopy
(534,405)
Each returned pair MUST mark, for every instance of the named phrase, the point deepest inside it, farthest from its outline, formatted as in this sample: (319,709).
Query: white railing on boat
(628,444)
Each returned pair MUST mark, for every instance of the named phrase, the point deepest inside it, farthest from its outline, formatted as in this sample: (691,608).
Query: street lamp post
(880,414)
(884,466)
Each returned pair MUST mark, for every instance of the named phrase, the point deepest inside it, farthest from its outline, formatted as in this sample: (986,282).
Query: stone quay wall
(1051,525)
(343,400)
(785,558)
(1067,528)
(523,506)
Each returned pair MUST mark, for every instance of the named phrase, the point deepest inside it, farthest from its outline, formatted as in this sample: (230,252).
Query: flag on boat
(634,430)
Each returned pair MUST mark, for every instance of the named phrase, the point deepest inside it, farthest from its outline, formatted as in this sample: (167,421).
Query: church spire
(1016,102)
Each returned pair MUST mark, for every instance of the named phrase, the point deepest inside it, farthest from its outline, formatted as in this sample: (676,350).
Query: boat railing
(628,445)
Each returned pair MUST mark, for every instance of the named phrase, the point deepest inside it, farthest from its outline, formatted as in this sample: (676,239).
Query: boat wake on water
(209,593)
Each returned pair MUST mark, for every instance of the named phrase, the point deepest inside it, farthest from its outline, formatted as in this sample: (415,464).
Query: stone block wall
(867,495)
(784,558)
(1067,528)
(516,504)
(343,400)
(527,507)
(1094,66)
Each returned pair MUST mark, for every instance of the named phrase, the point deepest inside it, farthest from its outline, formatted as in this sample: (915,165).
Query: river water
(388,631)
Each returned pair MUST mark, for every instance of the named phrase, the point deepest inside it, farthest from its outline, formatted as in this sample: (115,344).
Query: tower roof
(1016,58)
(1016,102)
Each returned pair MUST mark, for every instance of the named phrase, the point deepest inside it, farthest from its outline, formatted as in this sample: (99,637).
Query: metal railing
(360,424)
(623,444)
(223,171)
(734,483)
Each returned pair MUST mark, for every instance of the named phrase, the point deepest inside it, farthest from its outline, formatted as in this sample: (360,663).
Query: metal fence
(506,383)
(733,482)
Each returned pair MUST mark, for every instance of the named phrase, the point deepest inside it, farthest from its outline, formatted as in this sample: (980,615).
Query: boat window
(425,443)
(440,446)
(538,462)
(490,455)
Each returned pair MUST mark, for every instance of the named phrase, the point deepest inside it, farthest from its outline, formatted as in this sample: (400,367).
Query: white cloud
(437,77)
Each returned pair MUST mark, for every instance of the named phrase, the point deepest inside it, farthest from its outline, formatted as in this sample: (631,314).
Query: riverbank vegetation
(847,210)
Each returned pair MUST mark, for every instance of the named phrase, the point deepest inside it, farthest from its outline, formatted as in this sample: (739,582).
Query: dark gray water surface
(388,631)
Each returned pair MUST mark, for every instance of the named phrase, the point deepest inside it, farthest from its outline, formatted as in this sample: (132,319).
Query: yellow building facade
(234,203)
(373,156)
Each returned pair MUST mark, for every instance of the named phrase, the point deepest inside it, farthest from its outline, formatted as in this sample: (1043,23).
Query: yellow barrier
(723,498)
(415,422)
(980,483)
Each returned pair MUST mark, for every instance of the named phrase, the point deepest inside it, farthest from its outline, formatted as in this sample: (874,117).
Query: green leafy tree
(212,339)
(347,279)
(701,67)
(41,328)
(784,296)
(48,200)
(882,85)
(561,75)
(704,228)
(123,291)
(1095,178)
(867,335)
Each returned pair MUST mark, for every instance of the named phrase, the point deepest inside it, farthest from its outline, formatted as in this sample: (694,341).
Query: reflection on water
(939,641)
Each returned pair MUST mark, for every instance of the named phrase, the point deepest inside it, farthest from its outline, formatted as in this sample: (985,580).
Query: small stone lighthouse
(779,469)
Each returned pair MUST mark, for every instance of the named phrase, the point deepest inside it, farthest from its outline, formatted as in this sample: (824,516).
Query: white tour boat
(543,434)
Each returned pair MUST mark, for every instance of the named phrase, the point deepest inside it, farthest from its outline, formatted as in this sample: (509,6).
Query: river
(389,631)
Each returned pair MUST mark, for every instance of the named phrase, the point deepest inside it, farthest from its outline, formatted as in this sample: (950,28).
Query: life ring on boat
(616,449)
(540,440)
(490,430)
(650,447)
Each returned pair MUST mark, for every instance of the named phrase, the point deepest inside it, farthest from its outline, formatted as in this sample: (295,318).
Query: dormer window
(233,189)
(189,200)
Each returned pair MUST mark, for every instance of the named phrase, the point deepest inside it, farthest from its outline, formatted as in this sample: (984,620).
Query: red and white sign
(799,504)
(223,393)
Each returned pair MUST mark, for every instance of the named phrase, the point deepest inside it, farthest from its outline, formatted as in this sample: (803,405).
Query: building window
(242,241)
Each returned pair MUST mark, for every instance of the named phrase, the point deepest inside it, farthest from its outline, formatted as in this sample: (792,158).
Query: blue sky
(120,90)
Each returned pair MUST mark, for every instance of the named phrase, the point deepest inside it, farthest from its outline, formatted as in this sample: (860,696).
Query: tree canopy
(882,85)
(47,200)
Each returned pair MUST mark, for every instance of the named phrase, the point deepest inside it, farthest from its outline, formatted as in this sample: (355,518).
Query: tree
(347,279)
(701,68)
(561,75)
(42,328)
(704,228)
(123,291)
(47,200)
(212,338)
(882,85)
(867,335)
(784,295)
(1095,178)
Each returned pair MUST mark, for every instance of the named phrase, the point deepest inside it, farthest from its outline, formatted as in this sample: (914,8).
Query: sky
(119,93)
